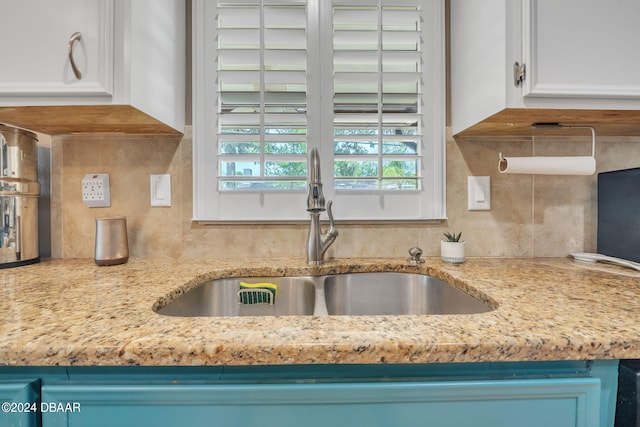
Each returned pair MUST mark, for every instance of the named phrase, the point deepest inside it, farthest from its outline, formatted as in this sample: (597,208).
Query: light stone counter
(72,312)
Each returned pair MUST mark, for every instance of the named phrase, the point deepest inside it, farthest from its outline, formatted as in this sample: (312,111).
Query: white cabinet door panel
(35,34)
(586,48)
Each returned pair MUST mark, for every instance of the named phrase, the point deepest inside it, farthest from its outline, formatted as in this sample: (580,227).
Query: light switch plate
(479,193)
(161,190)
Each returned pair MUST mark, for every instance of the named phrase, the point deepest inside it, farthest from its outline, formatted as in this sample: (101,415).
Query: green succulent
(452,237)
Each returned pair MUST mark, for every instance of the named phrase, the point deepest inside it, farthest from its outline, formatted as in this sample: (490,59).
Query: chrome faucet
(317,241)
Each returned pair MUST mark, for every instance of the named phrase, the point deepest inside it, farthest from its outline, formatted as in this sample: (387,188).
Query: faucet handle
(329,236)
(330,213)
(415,254)
(332,232)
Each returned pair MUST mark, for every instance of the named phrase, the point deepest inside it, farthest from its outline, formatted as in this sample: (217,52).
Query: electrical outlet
(95,190)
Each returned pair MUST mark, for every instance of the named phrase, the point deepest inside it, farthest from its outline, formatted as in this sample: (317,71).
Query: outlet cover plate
(95,190)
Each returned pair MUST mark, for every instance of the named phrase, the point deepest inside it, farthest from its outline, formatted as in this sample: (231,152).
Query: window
(362,80)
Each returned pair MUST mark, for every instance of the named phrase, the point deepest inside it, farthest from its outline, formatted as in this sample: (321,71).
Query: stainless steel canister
(112,245)
(19,191)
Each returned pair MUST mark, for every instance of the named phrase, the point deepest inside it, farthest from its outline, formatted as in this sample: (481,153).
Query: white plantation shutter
(362,80)
(386,143)
(261,92)
(250,99)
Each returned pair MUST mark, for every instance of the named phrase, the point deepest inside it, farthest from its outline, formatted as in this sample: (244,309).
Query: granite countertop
(72,312)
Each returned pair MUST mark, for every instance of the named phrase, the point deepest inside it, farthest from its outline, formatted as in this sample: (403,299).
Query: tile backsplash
(530,215)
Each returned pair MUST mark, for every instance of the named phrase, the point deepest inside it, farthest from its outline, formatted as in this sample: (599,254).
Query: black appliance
(619,214)
(627,413)
(619,236)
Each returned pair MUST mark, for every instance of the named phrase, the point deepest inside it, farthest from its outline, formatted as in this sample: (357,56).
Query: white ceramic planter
(452,252)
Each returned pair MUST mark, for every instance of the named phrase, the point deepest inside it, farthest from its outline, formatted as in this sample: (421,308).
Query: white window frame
(427,203)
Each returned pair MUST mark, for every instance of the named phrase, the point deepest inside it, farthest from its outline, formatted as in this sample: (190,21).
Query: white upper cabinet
(582,49)
(94,53)
(36,36)
(572,55)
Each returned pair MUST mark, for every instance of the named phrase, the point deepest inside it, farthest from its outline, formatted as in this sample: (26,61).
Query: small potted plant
(452,248)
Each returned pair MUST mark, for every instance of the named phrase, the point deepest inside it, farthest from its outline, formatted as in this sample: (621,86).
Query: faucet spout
(317,241)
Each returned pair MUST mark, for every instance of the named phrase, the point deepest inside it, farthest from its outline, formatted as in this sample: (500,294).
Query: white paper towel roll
(567,165)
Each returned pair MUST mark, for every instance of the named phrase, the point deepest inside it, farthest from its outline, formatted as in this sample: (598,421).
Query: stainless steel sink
(296,296)
(353,294)
(396,293)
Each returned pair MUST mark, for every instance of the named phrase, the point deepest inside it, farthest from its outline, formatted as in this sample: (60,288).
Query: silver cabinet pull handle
(74,38)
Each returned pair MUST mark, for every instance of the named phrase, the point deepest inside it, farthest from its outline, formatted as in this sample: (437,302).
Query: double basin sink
(355,294)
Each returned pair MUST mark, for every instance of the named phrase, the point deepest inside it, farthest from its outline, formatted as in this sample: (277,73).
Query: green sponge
(261,296)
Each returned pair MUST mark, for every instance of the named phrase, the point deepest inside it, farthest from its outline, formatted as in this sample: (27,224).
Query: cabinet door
(582,48)
(19,401)
(499,403)
(36,68)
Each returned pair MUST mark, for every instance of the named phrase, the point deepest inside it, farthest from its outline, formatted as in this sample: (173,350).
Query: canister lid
(111,218)
(17,131)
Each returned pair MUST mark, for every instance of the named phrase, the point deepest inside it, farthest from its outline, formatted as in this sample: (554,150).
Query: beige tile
(530,215)
(129,161)
(244,241)
(560,215)
(564,206)
(381,240)
(505,229)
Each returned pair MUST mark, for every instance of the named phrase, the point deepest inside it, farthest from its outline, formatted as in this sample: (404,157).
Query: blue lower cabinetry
(500,403)
(20,402)
(553,394)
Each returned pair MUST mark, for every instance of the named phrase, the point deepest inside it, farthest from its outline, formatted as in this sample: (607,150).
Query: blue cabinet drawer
(557,402)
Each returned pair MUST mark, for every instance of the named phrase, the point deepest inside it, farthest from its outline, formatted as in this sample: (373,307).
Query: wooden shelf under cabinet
(514,122)
(68,119)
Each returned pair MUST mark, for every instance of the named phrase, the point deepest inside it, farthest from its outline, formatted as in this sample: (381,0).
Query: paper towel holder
(502,163)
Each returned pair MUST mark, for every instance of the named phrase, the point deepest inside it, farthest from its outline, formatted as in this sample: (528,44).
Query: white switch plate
(479,193)
(161,190)
(95,190)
